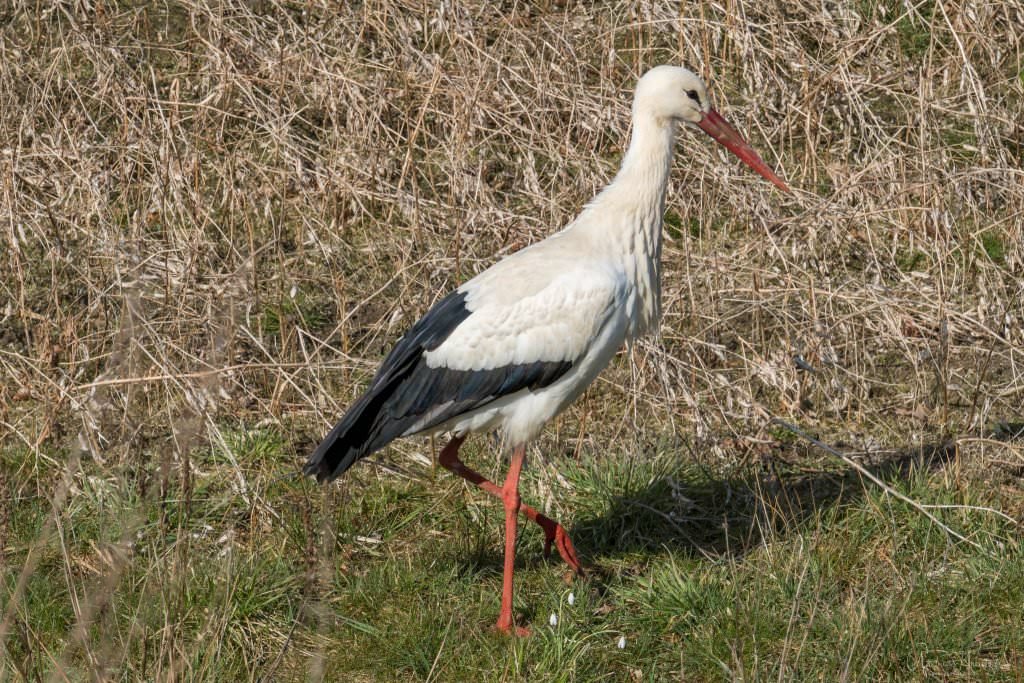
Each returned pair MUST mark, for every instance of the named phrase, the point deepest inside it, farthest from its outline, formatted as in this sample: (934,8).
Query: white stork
(514,346)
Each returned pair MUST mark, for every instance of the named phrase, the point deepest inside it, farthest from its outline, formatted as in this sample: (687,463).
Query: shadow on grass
(689,512)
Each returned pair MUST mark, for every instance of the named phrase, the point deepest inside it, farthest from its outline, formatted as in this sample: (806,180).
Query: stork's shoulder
(563,256)
(546,308)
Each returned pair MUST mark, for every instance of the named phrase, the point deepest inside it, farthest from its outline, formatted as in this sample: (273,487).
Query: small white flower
(622,642)
(553,619)
(572,599)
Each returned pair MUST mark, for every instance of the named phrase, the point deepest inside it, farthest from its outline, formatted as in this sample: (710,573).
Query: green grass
(993,247)
(706,578)
(909,261)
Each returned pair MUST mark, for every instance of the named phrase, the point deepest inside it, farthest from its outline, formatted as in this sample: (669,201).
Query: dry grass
(216,216)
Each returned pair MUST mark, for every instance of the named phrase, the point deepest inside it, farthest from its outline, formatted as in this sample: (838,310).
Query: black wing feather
(405,389)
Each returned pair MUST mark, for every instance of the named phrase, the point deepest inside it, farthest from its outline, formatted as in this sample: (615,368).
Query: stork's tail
(403,391)
(333,456)
(363,430)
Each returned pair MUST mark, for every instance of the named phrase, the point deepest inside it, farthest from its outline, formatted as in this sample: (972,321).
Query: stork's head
(673,94)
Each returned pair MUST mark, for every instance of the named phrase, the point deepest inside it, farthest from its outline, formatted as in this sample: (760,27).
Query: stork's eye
(692,94)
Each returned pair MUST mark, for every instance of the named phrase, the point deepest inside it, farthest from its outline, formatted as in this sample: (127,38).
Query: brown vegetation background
(221,214)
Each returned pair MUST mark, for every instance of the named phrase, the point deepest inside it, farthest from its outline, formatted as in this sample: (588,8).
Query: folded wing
(470,349)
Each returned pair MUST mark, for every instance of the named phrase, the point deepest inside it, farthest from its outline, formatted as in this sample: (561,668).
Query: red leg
(553,531)
(510,497)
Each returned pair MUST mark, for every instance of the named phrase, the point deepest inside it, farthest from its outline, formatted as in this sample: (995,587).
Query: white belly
(521,416)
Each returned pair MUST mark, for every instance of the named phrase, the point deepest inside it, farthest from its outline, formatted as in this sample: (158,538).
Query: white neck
(624,220)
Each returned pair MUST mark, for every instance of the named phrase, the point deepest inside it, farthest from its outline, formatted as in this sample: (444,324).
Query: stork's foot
(511,629)
(555,534)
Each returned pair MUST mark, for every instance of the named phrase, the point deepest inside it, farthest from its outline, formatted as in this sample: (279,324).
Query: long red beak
(721,130)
